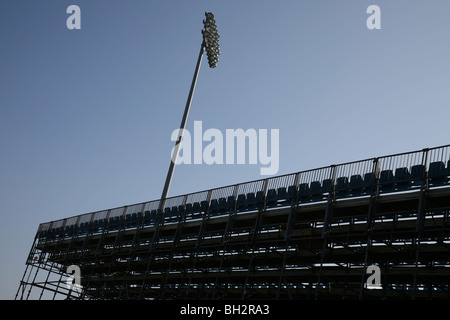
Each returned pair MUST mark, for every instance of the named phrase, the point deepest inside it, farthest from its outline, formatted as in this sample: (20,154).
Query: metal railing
(394,173)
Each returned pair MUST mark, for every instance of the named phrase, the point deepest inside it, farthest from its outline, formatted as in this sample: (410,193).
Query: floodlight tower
(210,43)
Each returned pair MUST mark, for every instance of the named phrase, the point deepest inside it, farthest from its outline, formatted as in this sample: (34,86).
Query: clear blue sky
(86,115)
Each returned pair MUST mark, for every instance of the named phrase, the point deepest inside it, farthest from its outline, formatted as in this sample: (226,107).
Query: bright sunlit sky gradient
(86,115)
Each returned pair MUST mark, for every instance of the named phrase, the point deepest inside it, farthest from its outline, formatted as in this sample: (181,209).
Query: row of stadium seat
(403,179)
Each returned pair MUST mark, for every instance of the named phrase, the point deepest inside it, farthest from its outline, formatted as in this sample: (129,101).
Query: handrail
(387,166)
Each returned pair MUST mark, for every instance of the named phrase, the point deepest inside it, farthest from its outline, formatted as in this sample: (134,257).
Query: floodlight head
(211,39)
(209,15)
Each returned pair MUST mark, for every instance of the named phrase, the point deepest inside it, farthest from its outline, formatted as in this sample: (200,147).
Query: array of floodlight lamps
(211,39)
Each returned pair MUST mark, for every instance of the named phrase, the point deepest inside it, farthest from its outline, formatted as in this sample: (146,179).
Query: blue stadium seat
(104,223)
(98,224)
(402,178)
(230,205)
(121,221)
(159,217)
(154,215)
(280,196)
(150,217)
(327,185)
(417,173)
(315,189)
(43,234)
(214,206)
(291,193)
(282,193)
(83,229)
(240,203)
(356,185)
(231,202)
(448,169)
(271,199)
(284,196)
(56,232)
(223,205)
(167,212)
(69,231)
(91,226)
(387,181)
(368,182)
(437,173)
(204,206)
(134,219)
(188,209)
(76,229)
(259,197)
(131,220)
(196,207)
(180,210)
(174,214)
(114,223)
(110,225)
(50,234)
(251,201)
(247,201)
(304,194)
(193,210)
(146,218)
(342,187)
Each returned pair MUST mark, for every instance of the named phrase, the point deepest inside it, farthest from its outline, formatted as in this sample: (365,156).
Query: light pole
(210,43)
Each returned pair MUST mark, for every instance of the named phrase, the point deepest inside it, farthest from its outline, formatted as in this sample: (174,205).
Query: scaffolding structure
(313,234)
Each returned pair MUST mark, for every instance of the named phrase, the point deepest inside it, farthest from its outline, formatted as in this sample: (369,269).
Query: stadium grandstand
(310,235)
